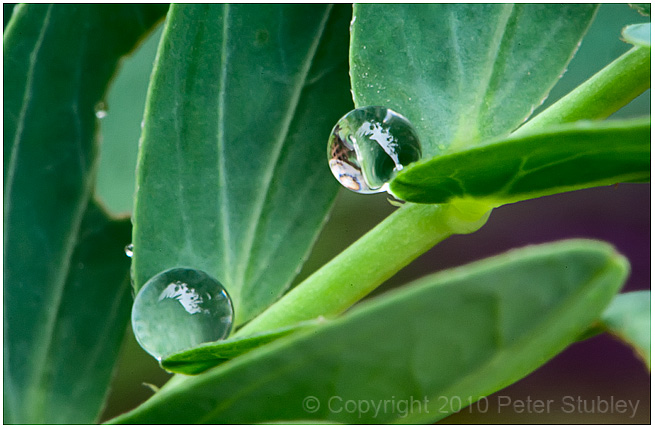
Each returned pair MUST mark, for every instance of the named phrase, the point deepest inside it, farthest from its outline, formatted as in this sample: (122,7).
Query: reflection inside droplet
(180,309)
(129,250)
(369,145)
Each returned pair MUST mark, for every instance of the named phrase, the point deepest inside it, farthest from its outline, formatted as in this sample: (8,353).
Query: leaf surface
(468,331)
(556,159)
(628,318)
(232,175)
(462,73)
(65,300)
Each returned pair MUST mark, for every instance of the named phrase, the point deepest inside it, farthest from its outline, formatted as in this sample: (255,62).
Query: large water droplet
(179,309)
(129,250)
(369,145)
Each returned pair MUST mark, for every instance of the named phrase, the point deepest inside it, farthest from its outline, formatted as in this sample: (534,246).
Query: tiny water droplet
(352,22)
(129,250)
(179,309)
(101,110)
(369,145)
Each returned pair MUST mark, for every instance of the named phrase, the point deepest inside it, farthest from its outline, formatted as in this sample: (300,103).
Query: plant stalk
(402,237)
(602,94)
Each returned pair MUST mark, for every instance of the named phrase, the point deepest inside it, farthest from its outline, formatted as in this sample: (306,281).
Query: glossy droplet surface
(179,309)
(369,145)
(129,250)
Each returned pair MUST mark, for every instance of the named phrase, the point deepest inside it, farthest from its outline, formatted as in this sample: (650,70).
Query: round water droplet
(369,145)
(129,250)
(179,309)
(101,109)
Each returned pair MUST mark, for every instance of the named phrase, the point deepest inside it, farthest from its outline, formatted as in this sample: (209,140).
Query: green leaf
(464,332)
(557,159)
(65,298)
(637,34)
(628,318)
(642,8)
(232,177)
(209,355)
(462,73)
(7,10)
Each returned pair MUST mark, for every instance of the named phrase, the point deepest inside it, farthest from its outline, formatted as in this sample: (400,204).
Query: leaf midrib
(39,375)
(9,184)
(220,133)
(27,95)
(267,177)
(466,132)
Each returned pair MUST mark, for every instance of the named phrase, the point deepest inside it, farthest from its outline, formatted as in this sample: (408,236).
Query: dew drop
(179,309)
(369,145)
(101,110)
(129,250)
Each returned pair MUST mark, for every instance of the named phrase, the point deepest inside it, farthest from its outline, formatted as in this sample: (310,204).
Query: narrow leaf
(232,177)
(463,333)
(210,355)
(628,318)
(58,351)
(558,159)
(462,73)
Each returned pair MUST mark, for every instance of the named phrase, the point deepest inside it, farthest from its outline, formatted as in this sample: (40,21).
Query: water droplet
(179,309)
(129,250)
(369,145)
(101,110)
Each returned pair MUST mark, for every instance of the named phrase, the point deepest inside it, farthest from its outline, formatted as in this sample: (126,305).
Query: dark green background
(621,215)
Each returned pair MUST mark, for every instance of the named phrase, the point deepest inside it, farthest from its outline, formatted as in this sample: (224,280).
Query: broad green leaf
(628,318)
(210,355)
(557,159)
(468,331)
(637,34)
(65,301)
(232,177)
(462,73)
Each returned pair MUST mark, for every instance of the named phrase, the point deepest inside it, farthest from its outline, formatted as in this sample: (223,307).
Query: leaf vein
(258,206)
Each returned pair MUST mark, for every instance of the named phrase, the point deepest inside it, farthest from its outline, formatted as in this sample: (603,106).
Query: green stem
(408,233)
(602,94)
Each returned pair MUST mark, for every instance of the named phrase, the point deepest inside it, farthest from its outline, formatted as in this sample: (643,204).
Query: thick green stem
(402,237)
(602,94)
